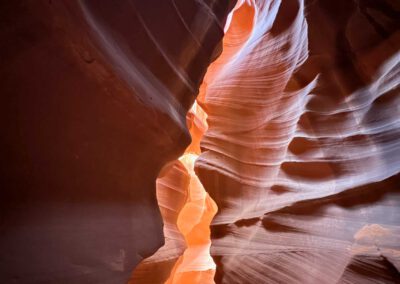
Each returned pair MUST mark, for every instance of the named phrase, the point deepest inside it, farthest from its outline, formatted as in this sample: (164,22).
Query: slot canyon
(200,141)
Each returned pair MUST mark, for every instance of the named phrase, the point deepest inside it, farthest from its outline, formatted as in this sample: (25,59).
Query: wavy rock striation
(302,152)
(294,136)
(187,212)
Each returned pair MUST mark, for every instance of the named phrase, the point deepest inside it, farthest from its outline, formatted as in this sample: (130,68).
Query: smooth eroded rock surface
(94,96)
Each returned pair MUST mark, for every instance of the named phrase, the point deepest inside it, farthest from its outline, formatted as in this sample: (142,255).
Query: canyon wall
(94,96)
(127,125)
(302,150)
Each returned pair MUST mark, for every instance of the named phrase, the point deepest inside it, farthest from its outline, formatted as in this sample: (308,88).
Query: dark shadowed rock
(93,103)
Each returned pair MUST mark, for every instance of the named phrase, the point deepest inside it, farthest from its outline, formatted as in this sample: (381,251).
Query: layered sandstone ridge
(187,212)
(127,124)
(301,154)
(302,151)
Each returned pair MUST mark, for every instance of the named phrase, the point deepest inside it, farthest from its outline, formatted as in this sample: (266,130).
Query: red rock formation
(187,212)
(94,97)
(301,153)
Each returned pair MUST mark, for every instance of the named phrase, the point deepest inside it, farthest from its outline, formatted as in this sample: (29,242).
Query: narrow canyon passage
(200,141)
(285,155)
(187,209)
(187,212)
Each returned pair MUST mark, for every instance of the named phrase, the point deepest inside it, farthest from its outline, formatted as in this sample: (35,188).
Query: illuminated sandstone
(301,154)
(294,133)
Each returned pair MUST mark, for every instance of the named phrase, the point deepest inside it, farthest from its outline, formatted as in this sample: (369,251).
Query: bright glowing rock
(295,139)
(302,149)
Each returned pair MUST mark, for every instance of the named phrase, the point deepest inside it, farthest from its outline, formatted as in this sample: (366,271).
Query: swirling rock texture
(294,140)
(187,212)
(301,155)
(302,151)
